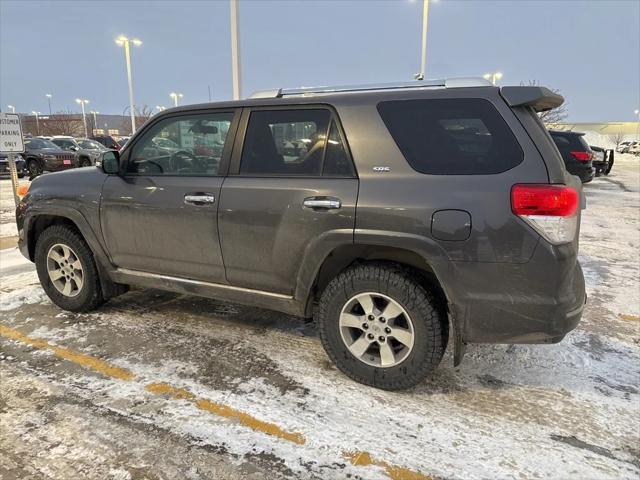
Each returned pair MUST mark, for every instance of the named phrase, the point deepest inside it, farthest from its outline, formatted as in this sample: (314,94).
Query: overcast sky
(590,50)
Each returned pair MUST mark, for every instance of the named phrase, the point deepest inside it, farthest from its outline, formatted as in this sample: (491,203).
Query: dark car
(87,151)
(44,156)
(108,141)
(21,165)
(405,211)
(576,153)
(602,160)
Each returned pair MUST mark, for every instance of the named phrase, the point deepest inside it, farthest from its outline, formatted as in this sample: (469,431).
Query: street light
(235,48)
(124,41)
(160,108)
(37,121)
(83,102)
(637,112)
(13,109)
(175,97)
(95,121)
(494,77)
(49,96)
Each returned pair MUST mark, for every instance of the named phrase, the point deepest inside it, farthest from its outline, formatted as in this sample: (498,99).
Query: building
(73,125)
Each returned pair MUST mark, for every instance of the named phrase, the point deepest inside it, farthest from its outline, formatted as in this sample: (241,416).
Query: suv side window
(189,145)
(294,142)
(458,136)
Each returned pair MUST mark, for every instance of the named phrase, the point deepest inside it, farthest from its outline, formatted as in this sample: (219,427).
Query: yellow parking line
(629,318)
(359,459)
(226,412)
(75,357)
(363,459)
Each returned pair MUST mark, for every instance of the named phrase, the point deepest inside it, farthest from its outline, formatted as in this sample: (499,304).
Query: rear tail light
(552,210)
(582,156)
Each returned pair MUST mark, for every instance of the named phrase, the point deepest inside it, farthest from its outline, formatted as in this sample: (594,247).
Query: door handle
(322,203)
(199,199)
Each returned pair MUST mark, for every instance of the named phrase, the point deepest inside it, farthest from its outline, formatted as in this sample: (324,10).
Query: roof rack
(417,84)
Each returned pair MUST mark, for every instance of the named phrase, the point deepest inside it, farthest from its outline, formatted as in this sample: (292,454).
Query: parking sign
(10,133)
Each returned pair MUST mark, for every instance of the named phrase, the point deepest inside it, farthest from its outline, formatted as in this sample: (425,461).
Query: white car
(634,148)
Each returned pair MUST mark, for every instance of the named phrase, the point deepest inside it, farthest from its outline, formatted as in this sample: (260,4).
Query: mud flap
(459,347)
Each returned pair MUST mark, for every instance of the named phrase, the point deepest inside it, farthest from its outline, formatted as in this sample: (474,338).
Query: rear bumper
(536,302)
(584,172)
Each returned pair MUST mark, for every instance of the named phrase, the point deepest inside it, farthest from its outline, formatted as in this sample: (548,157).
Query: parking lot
(161,385)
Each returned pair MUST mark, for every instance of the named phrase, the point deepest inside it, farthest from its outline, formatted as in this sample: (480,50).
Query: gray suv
(390,213)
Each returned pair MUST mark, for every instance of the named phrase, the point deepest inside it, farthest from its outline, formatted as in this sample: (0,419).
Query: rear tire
(67,270)
(352,309)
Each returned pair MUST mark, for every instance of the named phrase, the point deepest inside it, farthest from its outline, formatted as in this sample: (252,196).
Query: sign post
(11,143)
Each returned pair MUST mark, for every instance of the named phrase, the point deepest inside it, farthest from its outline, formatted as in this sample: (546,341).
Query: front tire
(381,327)
(85,162)
(34,168)
(67,270)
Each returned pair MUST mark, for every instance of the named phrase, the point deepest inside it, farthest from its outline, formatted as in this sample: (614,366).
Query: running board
(228,293)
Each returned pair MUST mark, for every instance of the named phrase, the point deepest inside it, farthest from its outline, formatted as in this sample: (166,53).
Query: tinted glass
(285,142)
(90,145)
(452,136)
(336,161)
(570,141)
(189,145)
(38,144)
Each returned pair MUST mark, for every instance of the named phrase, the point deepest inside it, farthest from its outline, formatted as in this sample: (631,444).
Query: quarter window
(464,136)
(188,145)
(302,142)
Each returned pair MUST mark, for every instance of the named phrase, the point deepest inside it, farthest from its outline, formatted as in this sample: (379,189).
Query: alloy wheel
(376,329)
(65,270)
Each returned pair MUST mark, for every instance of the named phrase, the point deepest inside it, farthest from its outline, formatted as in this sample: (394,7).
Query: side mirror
(109,162)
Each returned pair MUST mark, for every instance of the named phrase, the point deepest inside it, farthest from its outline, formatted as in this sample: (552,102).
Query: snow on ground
(570,410)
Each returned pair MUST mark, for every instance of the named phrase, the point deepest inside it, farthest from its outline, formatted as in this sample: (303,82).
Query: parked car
(623,147)
(634,148)
(122,141)
(602,160)
(21,165)
(576,153)
(413,210)
(44,156)
(108,141)
(87,151)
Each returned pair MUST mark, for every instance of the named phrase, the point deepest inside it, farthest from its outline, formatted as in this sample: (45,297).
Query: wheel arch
(36,223)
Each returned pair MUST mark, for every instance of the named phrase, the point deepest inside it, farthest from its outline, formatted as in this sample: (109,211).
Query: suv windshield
(40,144)
(90,145)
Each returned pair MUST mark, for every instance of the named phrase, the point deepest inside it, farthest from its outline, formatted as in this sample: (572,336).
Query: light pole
(83,102)
(37,121)
(124,41)
(494,77)
(49,96)
(95,121)
(235,48)
(175,97)
(637,112)
(160,108)
(423,55)
(13,109)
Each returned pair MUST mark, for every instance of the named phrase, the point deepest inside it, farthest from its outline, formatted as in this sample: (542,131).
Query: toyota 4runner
(390,213)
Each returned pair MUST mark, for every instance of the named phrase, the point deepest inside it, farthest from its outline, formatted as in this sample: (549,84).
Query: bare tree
(142,115)
(555,115)
(62,123)
(616,138)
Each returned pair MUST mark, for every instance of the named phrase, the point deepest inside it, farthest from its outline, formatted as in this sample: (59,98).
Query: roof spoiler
(538,98)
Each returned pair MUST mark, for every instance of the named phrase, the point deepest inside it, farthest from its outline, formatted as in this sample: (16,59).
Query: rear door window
(297,142)
(462,136)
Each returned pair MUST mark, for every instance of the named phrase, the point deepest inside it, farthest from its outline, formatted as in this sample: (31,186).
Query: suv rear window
(570,141)
(461,136)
